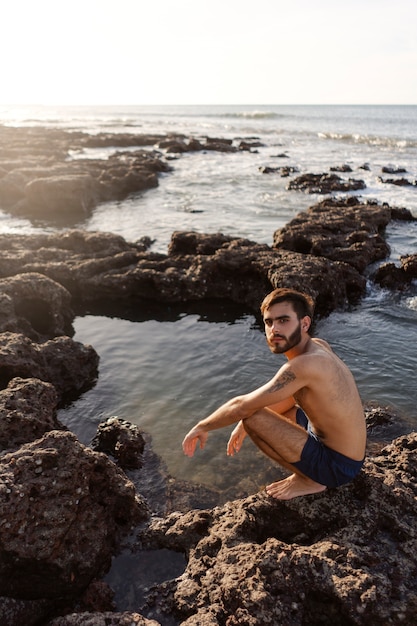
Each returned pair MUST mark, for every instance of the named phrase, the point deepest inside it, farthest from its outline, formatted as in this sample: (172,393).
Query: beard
(290,342)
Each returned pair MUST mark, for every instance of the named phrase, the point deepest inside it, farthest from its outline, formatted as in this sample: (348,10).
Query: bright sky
(208,52)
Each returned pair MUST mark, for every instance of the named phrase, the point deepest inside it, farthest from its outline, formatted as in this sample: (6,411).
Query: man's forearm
(227,414)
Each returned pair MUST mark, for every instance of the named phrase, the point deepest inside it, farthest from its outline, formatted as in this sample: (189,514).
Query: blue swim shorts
(322,464)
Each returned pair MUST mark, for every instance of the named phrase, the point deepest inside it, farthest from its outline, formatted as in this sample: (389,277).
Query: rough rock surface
(100,267)
(122,440)
(340,229)
(27,412)
(36,305)
(324,183)
(70,366)
(390,276)
(346,556)
(63,508)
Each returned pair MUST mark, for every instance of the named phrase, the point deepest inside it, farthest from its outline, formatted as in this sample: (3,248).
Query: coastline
(44,279)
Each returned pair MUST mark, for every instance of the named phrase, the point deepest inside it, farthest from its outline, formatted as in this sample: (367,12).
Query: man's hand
(236,439)
(190,440)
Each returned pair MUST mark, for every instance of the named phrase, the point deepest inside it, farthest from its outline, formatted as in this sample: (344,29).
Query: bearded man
(308,418)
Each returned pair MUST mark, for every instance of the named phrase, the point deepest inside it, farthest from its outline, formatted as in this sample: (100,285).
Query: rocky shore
(344,557)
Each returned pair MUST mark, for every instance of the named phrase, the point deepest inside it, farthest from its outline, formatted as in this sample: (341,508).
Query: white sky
(208,52)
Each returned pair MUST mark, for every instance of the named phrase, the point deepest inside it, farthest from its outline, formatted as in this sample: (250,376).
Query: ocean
(165,374)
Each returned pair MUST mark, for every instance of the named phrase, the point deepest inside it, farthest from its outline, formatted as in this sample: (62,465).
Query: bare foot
(292,487)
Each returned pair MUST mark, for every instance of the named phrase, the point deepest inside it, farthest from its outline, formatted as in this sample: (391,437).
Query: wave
(254,115)
(371,140)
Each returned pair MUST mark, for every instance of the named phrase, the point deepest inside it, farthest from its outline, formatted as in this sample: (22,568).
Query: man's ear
(306,323)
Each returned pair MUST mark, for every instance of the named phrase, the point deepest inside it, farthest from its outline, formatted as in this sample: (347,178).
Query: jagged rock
(122,440)
(324,183)
(98,267)
(346,556)
(345,230)
(34,304)
(27,412)
(389,276)
(63,510)
(69,365)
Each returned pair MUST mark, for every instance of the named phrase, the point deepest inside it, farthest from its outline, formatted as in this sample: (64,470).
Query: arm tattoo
(284,379)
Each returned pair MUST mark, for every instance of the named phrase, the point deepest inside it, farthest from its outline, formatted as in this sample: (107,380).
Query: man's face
(282,327)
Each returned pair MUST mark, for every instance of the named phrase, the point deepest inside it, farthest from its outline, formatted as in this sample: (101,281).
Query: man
(308,418)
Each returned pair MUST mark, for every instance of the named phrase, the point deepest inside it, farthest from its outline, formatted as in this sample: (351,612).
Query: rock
(27,412)
(34,304)
(38,180)
(100,268)
(341,168)
(344,556)
(389,276)
(125,618)
(122,440)
(63,510)
(324,183)
(76,193)
(401,182)
(388,169)
(345,230)
(70,366)
(284,171)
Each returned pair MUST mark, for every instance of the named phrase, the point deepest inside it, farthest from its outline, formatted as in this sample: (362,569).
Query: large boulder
(63,510)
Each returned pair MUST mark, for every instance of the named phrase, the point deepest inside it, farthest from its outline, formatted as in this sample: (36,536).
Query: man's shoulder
(321,343)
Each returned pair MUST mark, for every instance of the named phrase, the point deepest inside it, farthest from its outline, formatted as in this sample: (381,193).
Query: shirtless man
(308,418)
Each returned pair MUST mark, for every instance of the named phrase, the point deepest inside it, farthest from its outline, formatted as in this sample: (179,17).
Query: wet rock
(390,276)
(347,555)
(388,169)
(284,171)
(63,510)
(324,183)
(27,412)
(347,230)
(122,440)
(70,366)
(398,278)
(250,145)
(341,168)
(400,182)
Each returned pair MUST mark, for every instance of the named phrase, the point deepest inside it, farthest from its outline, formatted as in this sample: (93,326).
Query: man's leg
(283,441)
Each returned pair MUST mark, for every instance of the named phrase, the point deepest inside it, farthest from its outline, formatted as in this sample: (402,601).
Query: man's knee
(251,424)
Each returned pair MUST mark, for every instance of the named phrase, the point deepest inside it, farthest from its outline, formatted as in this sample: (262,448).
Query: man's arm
(281,387)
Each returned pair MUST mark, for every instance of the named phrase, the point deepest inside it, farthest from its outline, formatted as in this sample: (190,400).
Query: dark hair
(302,303)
